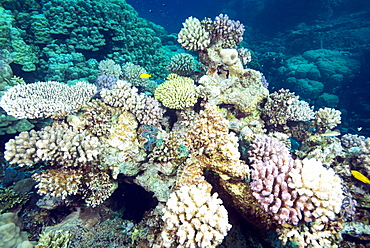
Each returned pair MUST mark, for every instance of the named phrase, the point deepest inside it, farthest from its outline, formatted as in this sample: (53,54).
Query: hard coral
(193,35)
(46,99)
(177,92)
(194,218)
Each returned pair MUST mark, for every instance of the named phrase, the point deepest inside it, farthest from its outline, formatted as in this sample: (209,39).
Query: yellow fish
(145,75)
(360,176)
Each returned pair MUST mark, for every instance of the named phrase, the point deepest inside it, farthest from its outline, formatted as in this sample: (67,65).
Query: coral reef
(46,99)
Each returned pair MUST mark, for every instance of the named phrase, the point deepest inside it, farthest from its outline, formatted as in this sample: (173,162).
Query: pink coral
(271,163)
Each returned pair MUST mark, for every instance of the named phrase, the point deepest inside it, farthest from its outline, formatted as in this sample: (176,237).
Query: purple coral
(230,32)
(271,164)
(105,82)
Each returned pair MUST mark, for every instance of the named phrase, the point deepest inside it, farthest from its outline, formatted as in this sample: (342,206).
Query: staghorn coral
(194,218)
(110,68)
(182,64)
(146,109)
(177,92)
(228,32)
(46,99)
(58,144)
(193,36)
(326,119)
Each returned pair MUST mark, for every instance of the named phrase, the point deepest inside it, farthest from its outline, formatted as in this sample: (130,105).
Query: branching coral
(182,64)
(147,110)
(228,32)
(110,68)
(177,92)
(46,99)
(212,145)
(290,190)
(193,35)
(194,218)
(58,144)
(132,72)
(327,118)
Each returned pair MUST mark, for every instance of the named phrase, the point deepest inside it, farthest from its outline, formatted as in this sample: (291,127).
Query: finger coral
(46,99)
(177,92)
(194,218)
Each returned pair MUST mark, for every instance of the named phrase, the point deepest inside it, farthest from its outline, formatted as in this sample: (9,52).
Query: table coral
(194,218)
(46,99)
(177,92)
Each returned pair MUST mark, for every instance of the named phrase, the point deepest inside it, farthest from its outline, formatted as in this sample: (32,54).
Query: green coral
(177,92)
(10,199)
(54,239)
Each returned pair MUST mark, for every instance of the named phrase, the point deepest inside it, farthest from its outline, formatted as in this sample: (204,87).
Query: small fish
(331,133)
(360,176)
(145,75)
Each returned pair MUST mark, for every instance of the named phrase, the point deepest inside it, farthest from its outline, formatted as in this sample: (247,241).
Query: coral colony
(202,140)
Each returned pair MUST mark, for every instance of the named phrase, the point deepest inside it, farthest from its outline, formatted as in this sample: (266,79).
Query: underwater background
(184,123)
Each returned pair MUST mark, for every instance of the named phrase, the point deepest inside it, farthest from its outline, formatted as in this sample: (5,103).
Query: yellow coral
(177,92)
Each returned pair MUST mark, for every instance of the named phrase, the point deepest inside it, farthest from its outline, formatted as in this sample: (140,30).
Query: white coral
(46,99)
(197,218)
(193,35)
(321,186)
